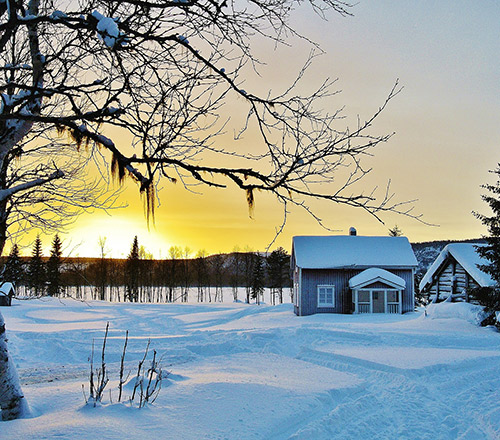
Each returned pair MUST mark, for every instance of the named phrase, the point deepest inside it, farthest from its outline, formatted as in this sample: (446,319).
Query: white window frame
(325,304)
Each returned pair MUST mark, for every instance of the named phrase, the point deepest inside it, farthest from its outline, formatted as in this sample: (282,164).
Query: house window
(364,296)
(392,296)
(364,301)
(326,296)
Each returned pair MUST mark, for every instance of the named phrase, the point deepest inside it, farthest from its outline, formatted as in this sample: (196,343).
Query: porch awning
(373,275)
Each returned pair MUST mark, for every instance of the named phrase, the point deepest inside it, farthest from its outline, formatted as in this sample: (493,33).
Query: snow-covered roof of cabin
(467,257)
(5,288)
(373,275)
(342,251)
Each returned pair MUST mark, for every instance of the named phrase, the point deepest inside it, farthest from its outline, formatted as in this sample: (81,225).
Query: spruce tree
(258,278)
(36,270)
(491,251)
(13,270)
(278,263)
(54,268)
(395,231)
(490,297)
(132,275)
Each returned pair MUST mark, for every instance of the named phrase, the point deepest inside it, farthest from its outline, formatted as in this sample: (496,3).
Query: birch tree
(12,401)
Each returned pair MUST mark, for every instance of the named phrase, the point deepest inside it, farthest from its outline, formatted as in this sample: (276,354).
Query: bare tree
(165,75)
(218,266)
(185,273)
(102,269)
(202,276)
(173,272)
(235,269)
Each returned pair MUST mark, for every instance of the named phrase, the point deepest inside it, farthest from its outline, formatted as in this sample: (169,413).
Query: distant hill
(427,251)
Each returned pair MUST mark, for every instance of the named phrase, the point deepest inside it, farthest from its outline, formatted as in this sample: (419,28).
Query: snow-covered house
(346,274)
(6,293)
(455,272)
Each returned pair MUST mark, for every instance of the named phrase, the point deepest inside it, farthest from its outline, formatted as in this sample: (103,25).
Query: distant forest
(142,279)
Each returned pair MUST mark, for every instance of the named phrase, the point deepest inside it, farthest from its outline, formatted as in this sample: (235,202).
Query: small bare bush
(145,385)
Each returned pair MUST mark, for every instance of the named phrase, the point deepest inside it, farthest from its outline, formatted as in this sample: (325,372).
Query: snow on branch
(8,192)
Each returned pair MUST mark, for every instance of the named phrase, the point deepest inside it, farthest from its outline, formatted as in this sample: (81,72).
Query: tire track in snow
(393,402)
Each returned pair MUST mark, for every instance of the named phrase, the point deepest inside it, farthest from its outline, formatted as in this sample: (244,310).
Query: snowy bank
(248,372)
(460,310)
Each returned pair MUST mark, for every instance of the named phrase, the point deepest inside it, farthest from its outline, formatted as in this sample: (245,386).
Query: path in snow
(250,372)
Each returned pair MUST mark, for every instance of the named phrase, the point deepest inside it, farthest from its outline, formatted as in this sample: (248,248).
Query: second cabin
(455,273)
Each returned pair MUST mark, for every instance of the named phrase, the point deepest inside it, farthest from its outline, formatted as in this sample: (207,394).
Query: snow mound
(460,310)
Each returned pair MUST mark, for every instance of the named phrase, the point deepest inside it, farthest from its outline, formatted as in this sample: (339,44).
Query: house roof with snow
(465,254)
(375,274)
(6,288)
(352,251)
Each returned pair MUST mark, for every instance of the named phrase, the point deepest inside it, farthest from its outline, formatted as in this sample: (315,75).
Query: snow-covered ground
(259,372)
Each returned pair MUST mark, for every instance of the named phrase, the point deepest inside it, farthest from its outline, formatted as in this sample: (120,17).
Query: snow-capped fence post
(12,401)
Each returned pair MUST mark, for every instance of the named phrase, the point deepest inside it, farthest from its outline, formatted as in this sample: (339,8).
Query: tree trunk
(12,401)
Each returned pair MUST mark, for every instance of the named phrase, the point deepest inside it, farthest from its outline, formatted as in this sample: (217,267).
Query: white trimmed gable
(375,274)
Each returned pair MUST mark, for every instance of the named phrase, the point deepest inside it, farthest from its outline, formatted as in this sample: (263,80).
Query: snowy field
(258,372)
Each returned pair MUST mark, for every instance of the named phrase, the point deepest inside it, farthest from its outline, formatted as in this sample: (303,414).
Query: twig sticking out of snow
(146,383)
(97,390)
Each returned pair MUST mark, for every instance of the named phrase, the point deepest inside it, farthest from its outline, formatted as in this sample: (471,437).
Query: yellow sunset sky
(446,122)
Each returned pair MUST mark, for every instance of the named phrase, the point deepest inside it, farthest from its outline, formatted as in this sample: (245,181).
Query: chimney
(352,231)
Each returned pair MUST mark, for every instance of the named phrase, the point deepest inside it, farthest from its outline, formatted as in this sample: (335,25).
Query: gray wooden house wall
(312,278)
